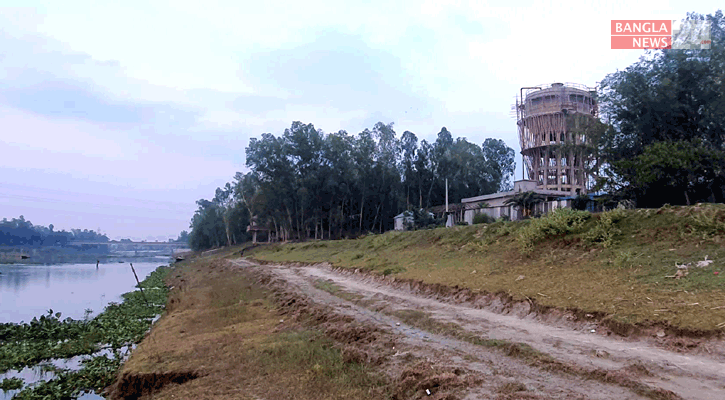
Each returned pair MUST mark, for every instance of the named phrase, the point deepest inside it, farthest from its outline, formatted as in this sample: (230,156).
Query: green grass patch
(315,363)
(615,263)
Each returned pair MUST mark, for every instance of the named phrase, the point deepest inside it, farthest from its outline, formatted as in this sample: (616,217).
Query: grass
(614,263)
(225,330)
(333,289)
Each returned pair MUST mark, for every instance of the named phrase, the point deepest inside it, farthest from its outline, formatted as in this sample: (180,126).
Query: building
(405,219)
(496,202)
(554,153)
(554,156)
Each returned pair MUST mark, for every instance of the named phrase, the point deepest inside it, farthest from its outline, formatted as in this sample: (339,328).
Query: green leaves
(667,138)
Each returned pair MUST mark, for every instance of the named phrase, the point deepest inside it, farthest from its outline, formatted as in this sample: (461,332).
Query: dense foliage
(310,184)
(666,143)
(21,232)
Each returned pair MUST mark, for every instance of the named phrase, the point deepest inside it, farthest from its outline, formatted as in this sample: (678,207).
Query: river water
(28,291)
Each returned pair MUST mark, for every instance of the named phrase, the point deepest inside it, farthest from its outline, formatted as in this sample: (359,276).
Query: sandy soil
(588,362)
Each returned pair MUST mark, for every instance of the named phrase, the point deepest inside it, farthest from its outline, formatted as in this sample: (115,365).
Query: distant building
(406,218)
(498,209)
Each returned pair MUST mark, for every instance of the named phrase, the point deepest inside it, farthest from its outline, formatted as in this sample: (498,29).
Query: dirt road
(585,364)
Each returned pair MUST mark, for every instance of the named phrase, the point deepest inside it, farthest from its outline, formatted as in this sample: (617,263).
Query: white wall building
(497,207)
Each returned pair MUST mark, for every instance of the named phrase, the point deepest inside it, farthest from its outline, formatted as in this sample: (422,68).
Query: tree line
(660,140)
(21,232)
(307,183)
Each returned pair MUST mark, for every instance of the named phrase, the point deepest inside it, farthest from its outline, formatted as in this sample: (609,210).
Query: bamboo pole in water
(139,285)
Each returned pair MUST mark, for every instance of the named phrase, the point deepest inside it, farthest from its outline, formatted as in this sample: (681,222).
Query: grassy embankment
(223,336)
(618,264)
(119,326)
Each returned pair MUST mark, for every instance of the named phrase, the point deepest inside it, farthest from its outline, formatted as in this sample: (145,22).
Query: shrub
(580,202)
(561,221)
(483,218)
(605,229)
(707,221)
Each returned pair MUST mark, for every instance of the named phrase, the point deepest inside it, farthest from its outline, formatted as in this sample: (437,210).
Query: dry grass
(626,280)
(225,330)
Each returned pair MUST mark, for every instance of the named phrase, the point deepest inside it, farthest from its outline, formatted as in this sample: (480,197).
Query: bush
(605,229)
(483,218)
(580,202)
(707,221)
(561,221)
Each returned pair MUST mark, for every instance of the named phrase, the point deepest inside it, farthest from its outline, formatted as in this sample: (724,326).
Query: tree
(409,146)
(673,100)
(525,201)
(500,165)
(183,237)
(677,172)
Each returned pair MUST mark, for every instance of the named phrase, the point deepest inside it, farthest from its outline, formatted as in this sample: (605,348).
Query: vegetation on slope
(621,263)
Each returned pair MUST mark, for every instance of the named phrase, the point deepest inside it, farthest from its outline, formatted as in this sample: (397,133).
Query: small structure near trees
(254,227)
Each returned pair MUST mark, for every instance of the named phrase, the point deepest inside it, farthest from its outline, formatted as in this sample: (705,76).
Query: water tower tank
(542,120)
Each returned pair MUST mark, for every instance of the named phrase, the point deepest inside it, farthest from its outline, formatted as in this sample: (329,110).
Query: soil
(582,359)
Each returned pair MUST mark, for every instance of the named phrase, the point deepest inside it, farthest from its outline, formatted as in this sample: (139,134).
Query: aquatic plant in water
(119,326)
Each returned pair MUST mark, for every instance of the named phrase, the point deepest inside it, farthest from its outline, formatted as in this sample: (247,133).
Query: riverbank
(99,344)
(226,335)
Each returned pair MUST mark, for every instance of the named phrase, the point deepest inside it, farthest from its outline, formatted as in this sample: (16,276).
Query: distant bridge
(117,243)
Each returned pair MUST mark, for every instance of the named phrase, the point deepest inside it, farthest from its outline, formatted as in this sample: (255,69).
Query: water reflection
(28,291)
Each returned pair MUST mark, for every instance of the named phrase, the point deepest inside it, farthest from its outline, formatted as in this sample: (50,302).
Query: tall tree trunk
(407,198)
(276,229)
(342,221)
(377,211)
(429,192)
(291,225)
(420,195)
(362,207)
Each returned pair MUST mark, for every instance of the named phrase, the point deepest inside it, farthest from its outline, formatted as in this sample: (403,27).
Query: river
(28,291)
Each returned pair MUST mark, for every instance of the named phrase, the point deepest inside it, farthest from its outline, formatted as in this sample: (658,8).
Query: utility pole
(448,216)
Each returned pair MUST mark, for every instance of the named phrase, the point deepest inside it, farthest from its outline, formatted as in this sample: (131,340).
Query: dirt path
(689,376)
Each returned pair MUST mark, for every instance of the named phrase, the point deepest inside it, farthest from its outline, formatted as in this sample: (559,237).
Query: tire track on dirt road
(690,376)
(496,368)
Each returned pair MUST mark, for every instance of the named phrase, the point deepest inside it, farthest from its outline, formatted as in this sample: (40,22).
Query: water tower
(541,114)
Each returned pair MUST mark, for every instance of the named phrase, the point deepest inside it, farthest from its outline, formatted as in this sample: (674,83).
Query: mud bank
(240,333)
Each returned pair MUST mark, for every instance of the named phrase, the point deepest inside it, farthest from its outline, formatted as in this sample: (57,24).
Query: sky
(119,115)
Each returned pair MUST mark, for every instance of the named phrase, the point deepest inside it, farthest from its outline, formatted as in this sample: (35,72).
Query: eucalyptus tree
(363,156)
(668,105)
(338,150)
(409,147)
(424,172)
(387,184)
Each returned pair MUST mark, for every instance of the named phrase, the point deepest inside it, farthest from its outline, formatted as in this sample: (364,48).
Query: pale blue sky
(120,114)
